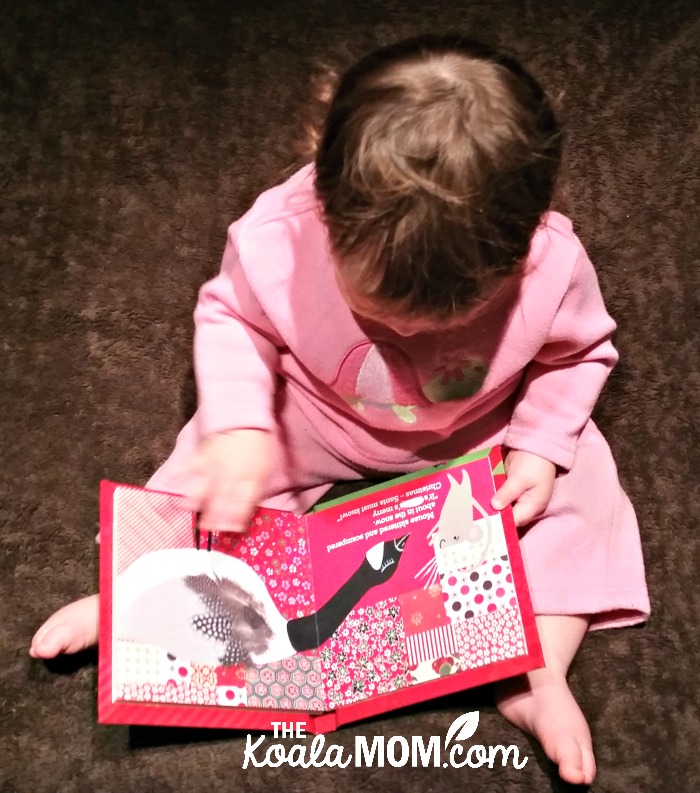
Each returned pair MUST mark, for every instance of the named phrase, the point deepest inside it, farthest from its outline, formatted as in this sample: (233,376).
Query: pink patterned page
(430,589)
(207,625)
(419,581)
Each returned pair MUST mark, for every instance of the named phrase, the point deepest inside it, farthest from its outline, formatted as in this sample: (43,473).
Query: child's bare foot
(542,704)
(70,630)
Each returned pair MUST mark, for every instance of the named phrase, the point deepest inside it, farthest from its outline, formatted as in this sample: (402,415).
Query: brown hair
(437,157)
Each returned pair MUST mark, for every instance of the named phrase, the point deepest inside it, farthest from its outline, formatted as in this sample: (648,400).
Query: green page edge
(467,458)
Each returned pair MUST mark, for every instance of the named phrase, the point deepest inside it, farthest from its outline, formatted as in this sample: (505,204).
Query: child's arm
(563,382)
(227,476)
(236,351)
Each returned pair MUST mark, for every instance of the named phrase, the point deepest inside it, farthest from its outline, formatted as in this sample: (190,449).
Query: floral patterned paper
(367,655)
(489,638)
(423,610)
(276,547)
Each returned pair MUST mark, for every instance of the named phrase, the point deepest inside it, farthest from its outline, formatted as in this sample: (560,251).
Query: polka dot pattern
(216,627)
(148,662)
(146,673)
(471,593)
(217,622)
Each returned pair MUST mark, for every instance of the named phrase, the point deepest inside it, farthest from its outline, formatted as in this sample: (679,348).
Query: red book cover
(399,593)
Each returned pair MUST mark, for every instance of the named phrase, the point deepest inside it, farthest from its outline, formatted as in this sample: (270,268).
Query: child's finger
(195,492)
(190,480)
(508,493)
(228,511)
(523,513)
(527,508)
(213,519)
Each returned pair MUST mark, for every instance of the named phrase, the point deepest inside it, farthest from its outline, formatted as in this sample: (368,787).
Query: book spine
(323,722)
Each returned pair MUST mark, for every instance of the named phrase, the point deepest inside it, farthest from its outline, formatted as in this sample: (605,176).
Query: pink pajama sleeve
(235,352)
(562,384)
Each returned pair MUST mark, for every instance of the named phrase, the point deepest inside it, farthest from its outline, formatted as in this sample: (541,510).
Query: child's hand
(227,476)
(528,487)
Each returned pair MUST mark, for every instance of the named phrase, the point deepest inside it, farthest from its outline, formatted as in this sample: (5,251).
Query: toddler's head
(436,161)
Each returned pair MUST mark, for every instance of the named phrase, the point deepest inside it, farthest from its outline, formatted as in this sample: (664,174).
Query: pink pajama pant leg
(583,555)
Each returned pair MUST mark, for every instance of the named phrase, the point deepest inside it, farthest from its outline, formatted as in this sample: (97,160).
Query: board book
(399,593)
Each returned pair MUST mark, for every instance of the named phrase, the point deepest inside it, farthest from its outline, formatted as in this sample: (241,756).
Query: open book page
(207,625)
(416,581)
(430,589)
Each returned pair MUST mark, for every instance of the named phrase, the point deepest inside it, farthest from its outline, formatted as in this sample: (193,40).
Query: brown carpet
(130,135)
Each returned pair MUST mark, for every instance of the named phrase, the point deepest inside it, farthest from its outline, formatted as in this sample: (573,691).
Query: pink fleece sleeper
(277,348)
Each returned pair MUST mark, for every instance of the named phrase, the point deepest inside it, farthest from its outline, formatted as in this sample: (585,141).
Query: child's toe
(50,640)
(575,761)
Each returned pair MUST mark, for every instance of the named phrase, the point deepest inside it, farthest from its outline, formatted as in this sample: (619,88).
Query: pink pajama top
(276,310)
(277,348)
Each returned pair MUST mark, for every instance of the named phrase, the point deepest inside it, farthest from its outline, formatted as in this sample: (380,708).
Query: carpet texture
(131,134)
